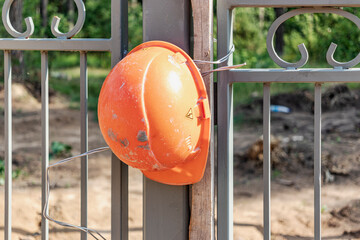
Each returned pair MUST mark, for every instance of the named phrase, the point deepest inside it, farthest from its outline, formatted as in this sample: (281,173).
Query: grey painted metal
(225,128)
(317,163)
(117,45)
(286,3)
(78,26)
(8,144)
(119,170)
(225,182)
(267,162)
(44,139)
(267,76)
(119,30)
(166,208)
(293,76)
(166,214)
(331,60)
(270,41)
(8,26)
(84,140)
(303,51)
(41,44)
(119,199)
(176,15)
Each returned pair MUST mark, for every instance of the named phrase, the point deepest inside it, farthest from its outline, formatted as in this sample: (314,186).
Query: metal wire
(221,60)
(225,68)
(90,231)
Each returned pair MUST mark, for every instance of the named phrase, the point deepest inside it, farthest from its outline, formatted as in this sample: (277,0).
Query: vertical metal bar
(44,138)
(84,140)
(166,208)
(267,161)
(317,163)
(8,143)
(225,182)
(119,170)
(119,199)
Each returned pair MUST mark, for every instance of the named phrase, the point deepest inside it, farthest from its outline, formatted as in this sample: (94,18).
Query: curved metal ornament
(78,26)
(8,26)
(303,51)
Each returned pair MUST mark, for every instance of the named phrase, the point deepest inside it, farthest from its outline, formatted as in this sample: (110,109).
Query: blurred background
(292,130)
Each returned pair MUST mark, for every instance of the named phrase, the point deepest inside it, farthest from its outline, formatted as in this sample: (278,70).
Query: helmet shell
(154,113)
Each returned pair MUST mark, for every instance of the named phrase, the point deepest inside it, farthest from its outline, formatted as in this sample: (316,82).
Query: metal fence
(63,42)
(291,73)
(166,208)
(171,201)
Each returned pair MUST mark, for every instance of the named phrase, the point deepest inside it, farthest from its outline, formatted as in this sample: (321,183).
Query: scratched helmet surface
(154,113)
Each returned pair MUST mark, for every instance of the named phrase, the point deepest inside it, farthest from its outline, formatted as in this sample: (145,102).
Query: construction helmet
(154,113)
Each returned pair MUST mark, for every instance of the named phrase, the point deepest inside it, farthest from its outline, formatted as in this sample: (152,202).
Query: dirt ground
(292,175)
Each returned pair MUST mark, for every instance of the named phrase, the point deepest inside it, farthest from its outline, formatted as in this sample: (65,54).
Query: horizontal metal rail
(293,3)
(293,76)
(53,44)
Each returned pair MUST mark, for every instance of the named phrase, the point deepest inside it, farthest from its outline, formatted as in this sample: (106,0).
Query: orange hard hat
(154,113)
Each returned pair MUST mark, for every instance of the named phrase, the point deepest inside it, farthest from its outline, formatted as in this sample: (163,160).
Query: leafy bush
(59,149)
(15,174)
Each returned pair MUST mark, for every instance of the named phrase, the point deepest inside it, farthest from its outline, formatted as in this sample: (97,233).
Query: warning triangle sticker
(189,114)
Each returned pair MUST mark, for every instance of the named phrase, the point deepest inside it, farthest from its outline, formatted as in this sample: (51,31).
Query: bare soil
(292,174)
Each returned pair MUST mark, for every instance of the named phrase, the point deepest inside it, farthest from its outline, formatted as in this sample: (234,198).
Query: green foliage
(15,174)
(59,149)
(317,31)
(67,82)
(135,25)
(275,174)
(251,26)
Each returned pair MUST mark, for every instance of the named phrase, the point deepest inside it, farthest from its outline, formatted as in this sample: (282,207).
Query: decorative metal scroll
(78,26)
(8,26)
(54,24)
(303,51)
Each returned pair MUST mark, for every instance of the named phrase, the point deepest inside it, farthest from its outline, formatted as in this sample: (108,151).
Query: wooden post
(202,194)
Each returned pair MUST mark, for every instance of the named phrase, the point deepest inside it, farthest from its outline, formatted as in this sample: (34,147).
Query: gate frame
(265,76)
(171,201)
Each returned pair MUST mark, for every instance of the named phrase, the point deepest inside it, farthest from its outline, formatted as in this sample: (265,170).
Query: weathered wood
(202,194)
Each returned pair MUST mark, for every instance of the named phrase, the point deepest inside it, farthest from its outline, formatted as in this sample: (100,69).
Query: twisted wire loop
(8,26)
(78,26)
(303,51)
(95,234)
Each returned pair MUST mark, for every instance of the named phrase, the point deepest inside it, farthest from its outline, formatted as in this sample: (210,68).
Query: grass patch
(15,173)
(60,150)
(67,82)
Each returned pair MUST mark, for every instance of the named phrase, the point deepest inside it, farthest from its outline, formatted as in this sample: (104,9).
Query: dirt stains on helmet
(124,142)
(141,136)
(113,136)
(146,146)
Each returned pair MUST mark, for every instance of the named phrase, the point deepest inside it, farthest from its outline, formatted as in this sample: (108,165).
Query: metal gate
(291,73)
(173,223)
(173,201)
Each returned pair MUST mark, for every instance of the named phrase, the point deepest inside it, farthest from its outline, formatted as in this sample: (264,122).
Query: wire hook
(303,51)
(9,27)
(78,26)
